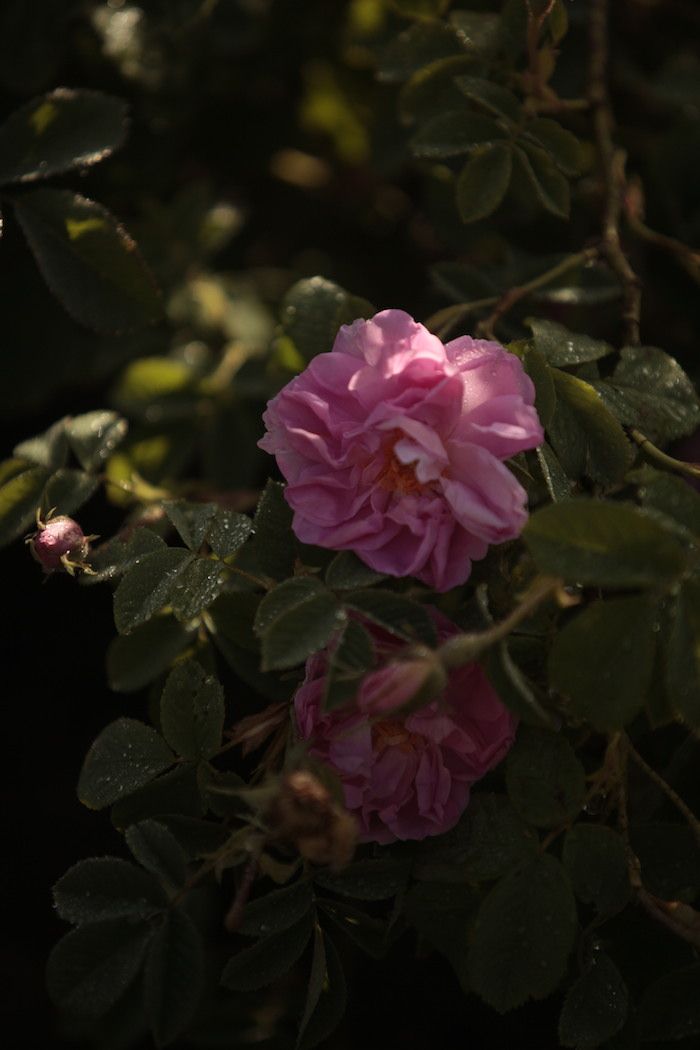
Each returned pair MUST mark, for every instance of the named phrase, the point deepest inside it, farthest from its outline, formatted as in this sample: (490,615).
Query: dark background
(216,98)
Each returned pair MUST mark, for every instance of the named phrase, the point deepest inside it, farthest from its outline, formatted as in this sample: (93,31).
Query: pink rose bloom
(406,776)
(392,447)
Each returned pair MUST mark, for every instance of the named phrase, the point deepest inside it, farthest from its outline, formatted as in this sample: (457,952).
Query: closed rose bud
(60,545)
(403,684)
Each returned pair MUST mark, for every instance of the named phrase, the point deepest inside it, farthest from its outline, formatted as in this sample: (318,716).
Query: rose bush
(392,446)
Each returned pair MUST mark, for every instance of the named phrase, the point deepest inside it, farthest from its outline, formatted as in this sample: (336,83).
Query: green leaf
(594,857)
(346,572)
(313,311)
(489,841)
(555,479)
(67,490)
(294,620)
(148,586)
(546,782)
(274,541)
(454,133)
(135,659)
(91,967)
(586,437)
(88,261)
(491,97)
(401,616)
(442,914)
(670,1007)
(317,976)
(683,654)
(175,792)
(352,656)
(61,130)
(164,381)
(125,756)
(550,187)
(540,373)
(116,555)
(191,520)
(102,888)
(675,498)
(564,348)
(197,587)
(602,660)
(370,879)
(228,532)
(158,851)
(595,1007)
(94,436)
(432,89)
(21,487)
(483,182)
(372,936)
(604,544)
(416,47)
(563,147)
(331,1002)
(173,980)
(523,935)
(278,910)
(49,449)
(650,390)
(267,959)
(192,711)
(516,691)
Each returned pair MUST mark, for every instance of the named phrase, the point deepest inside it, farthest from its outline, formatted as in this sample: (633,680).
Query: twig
(464,648)
(508,300)
(668,791)
(685,256)
(679,918)
(443,321)
(662,458)
(612,165)
(534,28)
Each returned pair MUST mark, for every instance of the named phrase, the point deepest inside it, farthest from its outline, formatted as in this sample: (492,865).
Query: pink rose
(392,447)
(406,775)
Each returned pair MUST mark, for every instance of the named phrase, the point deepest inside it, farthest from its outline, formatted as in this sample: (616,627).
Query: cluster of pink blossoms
(393,446)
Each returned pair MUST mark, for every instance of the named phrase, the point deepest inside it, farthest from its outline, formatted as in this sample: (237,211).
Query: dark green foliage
(125,756)
(59,131)
(545,778)
(173,976)
(94,965)
(523,935)
(88,261)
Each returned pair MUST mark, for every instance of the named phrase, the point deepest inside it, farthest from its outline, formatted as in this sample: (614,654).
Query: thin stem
(665,461)
(463,648)
(508,300)
(442,322)
(679,918)
(611,160)
(668,791)
(685,256)
(534,29)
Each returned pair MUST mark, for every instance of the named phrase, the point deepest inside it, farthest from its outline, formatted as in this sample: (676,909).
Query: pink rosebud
(59,545)
(406,775)
(393,444)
